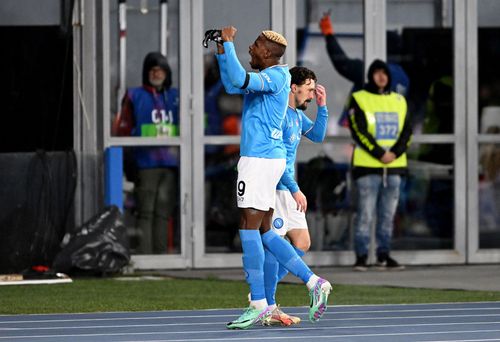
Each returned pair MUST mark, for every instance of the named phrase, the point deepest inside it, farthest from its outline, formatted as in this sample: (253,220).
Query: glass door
(484,133)
(431,219)
(429,224)
(216,133)
(337,59)
(150,125)
(429,48)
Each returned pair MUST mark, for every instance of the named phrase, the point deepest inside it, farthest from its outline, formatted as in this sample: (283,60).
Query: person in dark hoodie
(152,110)
(381,130)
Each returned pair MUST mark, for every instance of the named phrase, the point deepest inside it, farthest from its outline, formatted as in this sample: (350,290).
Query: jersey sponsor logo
(266,76)
(278,223)
(277,134)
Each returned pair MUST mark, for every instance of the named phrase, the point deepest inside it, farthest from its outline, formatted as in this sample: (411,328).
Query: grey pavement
(460,277)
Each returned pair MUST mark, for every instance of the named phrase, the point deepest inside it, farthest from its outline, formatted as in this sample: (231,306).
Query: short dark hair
(301,74)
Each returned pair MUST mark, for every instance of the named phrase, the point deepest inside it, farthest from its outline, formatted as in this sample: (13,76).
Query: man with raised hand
(289,217)
(261,165)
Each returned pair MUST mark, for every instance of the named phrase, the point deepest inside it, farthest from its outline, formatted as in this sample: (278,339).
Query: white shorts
(257,180)
(286,216)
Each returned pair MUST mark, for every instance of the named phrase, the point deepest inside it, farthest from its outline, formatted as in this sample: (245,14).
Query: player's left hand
(301,200)
(320,95)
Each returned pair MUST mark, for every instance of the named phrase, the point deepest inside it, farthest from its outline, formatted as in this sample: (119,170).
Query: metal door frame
(282,20)
(91,49)
(184,141)
(474,139)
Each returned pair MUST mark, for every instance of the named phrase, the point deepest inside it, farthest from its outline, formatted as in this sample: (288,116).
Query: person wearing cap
(260,167)
(152,110)
(382,132)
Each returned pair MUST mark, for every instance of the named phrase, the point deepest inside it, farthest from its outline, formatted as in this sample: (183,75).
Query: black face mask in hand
(212,35)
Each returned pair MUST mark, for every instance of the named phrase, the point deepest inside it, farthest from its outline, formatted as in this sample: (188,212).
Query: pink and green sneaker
(319,299)
(250,317)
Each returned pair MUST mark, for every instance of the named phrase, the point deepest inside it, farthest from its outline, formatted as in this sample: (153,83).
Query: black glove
(214,36)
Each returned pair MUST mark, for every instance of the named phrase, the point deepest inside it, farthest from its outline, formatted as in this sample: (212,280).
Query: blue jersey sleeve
(289,181)
(268,81)
(316,131)
(226,81)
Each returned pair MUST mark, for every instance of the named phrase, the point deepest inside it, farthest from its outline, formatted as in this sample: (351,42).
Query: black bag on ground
(99,246)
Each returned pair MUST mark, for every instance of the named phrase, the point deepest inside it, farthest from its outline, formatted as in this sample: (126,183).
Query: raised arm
(248,81)
(226,81)
(251,81)
(350,68)
(316,131)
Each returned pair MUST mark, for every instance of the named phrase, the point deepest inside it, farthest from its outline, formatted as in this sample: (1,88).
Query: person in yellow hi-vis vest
(381,129)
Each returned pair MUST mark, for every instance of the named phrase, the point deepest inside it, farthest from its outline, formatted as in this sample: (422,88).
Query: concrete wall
(30,12)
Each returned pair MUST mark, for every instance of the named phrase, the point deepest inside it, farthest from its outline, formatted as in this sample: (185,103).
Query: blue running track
(419,322)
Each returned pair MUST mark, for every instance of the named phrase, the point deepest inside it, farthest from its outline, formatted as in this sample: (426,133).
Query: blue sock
(253,262)
(282,271)
(270,276)
(286,255)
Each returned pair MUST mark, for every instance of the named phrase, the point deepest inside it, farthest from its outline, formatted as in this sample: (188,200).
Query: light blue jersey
(295,125)
(264,104)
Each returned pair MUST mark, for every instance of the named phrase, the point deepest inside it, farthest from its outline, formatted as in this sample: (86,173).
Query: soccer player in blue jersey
(261,165)
(291,204)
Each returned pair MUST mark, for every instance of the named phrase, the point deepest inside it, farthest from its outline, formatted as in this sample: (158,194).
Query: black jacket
(359,128)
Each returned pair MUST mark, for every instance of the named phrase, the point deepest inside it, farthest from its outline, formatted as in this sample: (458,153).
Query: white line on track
(339,306)
(222,323)
(267,338)
(326,337)
(336,337)
(329,313)
(226,331)
(455,340)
